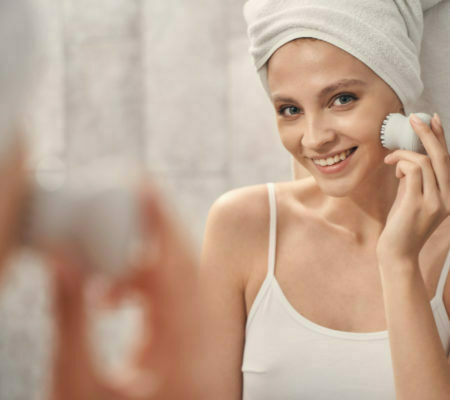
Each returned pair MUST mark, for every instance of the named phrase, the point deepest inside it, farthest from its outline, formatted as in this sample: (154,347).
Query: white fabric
(288,357)
(384,34)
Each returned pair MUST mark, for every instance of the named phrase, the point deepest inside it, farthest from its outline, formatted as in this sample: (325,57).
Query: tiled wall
(209,125)
(169,83)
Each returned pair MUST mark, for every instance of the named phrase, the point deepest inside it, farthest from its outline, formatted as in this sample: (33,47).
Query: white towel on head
(384,34)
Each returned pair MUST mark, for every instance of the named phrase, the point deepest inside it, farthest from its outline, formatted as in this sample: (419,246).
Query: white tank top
(287,356)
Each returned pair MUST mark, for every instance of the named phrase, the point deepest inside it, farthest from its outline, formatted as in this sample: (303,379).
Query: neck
(363,213)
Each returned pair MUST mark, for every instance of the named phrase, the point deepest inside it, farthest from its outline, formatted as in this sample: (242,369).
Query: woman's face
(317,118)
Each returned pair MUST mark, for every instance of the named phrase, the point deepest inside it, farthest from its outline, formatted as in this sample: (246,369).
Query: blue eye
(345,96)
(288,111)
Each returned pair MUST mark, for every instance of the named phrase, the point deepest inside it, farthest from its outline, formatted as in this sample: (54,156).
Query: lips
(332,167)
(333,158)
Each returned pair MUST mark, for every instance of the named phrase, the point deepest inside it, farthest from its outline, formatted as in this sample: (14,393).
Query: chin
(360,173)
(343,186)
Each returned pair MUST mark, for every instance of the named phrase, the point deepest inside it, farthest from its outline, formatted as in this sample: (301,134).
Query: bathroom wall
(167,83)
(209,126)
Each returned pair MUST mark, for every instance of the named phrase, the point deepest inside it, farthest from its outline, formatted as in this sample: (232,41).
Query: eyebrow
(343,83)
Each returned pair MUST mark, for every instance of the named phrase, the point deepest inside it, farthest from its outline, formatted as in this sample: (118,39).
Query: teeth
(332,160)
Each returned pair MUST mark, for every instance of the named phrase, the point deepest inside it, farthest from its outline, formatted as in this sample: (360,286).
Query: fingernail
(414,118)
(438,120)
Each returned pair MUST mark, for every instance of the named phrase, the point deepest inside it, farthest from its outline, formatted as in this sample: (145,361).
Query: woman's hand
(423,197)
(167,362)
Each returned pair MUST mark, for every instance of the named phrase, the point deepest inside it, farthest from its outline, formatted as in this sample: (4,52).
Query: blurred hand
(167,361)
(13,190)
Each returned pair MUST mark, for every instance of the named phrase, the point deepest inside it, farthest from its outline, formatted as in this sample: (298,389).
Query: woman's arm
(420,366)
(224,262)
(421,370)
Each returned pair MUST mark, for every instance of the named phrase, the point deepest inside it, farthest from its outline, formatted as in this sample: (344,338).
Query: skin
(13,184)
(342,235)
(170,345)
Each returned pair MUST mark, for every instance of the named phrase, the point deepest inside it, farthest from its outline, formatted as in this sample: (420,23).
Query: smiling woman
(329,103)
(328,287)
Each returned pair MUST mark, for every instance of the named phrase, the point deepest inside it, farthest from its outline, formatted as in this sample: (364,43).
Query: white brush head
(104,225)
(397,133)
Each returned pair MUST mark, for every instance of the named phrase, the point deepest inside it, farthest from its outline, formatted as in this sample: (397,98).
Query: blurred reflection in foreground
(167,360)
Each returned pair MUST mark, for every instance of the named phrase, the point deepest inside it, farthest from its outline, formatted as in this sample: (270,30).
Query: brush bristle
(383,129)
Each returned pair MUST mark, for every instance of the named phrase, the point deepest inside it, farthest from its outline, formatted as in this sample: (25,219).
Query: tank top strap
(272,229)
(443,277)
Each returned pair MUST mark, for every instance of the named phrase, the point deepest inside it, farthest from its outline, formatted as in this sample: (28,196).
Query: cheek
(369,129)
(365,126)
(289,137)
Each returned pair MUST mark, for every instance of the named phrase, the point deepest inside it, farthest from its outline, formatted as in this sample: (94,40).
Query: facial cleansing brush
(397,132)
(101,219)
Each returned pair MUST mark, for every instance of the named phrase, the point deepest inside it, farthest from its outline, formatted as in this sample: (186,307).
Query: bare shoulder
(241,208)
(248,208)
(236,229)
(234,224)
(233,230)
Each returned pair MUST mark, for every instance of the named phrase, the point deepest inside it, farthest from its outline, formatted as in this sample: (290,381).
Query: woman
(353,301)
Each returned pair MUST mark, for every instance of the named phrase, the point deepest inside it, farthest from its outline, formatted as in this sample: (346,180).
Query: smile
(337,158)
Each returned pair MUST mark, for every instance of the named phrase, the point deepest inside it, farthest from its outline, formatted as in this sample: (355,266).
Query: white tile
(237,22)
(257,154)
(104,97)
(87,19)
(45,118)
(25,337)
(185,73)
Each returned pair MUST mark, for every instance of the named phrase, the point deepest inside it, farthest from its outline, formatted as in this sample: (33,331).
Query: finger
(427,135)
(170,247)
(438,129)
(168,285)
(437,152)
(73,370)
(13,186)
(135,385)
(412,174)
(160,224)
(429,184)
(68,291)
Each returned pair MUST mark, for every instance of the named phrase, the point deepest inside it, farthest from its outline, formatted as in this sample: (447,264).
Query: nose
(317,133)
